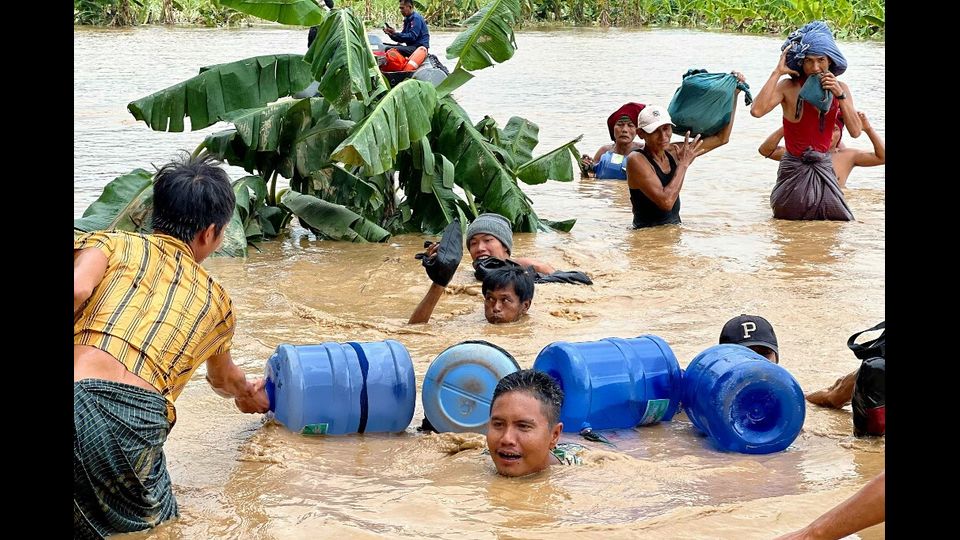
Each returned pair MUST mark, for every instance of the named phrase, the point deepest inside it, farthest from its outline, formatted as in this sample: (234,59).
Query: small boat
(430,70)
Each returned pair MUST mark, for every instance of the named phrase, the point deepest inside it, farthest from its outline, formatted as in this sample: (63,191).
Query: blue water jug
(613,383)
(742,401)
(339,388)
(459,384)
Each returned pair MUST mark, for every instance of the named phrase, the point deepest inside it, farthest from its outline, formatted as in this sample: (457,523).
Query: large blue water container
(339,388)
(742,401)
(459,385)
(613,383)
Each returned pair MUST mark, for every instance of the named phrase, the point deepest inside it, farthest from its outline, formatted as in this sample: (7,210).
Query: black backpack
(870,390)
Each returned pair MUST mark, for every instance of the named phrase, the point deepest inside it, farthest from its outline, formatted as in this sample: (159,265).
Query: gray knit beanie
(494,225)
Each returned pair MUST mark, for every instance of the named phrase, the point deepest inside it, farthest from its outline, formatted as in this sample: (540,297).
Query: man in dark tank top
(655,174)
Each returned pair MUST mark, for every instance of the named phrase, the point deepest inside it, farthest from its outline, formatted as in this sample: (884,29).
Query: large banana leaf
(222,89)
(312,147)
(341,60)
(125,204)
(364,196)
(292,12)
(489,38)
(554,165)
(478,170)
(430,203)
(283,136)
(402,116)
(332,220)
(519,138)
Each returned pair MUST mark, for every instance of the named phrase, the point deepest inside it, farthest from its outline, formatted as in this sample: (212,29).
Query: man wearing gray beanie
(490,235)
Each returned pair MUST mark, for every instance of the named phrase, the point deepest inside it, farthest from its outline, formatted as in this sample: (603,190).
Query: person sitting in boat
(524,429)
(415,32)
(610,161)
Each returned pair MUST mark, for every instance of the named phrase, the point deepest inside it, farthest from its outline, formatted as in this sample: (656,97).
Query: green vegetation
(364,159)
(849,19)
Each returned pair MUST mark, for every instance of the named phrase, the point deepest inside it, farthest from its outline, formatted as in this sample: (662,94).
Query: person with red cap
(610,161)
(844,158)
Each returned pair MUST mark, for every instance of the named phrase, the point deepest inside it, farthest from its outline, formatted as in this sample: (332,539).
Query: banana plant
(364,160)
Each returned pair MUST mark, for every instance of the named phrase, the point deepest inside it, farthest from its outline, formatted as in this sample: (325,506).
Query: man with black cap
(754,332)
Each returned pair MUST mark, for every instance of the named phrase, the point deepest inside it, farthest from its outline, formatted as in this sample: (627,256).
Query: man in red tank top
(807,186)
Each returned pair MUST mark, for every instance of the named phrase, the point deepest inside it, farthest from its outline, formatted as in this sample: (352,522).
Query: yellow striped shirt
(156,310)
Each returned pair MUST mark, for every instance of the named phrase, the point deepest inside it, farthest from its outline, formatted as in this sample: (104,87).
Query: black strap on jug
(870,349)
(364,403)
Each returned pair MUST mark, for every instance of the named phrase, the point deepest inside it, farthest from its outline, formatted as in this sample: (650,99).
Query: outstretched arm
(425,307)
(771,148)
(89,267)
(863,509)
(879,154)
(538,266)
(771,94)
(228,381)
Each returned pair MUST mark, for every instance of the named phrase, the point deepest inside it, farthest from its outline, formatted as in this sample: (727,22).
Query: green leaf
(341,60)
(563,226)
(520,137)
(403,115)
(293,12)
(489,38)
(223,89)
(554,165)
(431,203)
(234,238)
(478,170)
(455,80)
(332,220)
(125,204)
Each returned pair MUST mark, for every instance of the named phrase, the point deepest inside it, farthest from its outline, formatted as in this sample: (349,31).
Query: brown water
(235,477)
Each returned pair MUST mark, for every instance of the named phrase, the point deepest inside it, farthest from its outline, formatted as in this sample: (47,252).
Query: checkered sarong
(120,478)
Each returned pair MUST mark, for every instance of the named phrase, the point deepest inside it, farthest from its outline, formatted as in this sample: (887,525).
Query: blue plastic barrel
(339,388)
(613,383)
(459,385)
(742,401)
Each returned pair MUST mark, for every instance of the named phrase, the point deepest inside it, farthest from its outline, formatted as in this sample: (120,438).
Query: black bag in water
(869,390)
(484,266)
(869,398)
(443,265)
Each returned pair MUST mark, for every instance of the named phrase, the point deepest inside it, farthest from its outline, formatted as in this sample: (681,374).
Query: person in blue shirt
(414,34)
(610,161)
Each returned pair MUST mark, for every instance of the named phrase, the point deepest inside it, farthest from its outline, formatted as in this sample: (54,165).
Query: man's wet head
(524,422)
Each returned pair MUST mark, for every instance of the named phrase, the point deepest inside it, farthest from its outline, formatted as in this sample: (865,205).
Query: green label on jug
(655,411)
(314,429)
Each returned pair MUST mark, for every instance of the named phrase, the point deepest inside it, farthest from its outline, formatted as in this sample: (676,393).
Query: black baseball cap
(750,330)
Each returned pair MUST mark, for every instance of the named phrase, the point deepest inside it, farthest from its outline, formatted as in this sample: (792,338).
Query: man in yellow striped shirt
(146,315)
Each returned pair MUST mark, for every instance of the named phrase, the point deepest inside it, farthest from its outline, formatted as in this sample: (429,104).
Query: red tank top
(798,136)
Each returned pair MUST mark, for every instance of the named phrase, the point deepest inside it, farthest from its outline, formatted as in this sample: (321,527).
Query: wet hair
(538,384)
(312,35)
(189,195)
(515,275)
